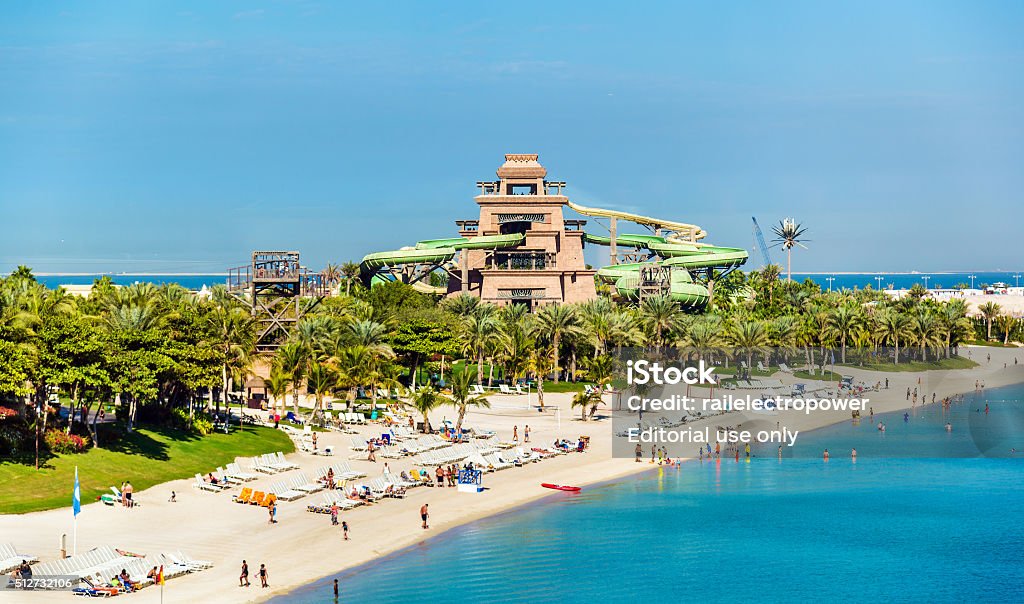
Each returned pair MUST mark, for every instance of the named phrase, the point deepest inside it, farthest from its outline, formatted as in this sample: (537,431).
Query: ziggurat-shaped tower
(547,264)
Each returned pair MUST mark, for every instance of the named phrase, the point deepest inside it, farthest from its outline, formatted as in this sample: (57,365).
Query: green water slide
(430,252)
(677,255)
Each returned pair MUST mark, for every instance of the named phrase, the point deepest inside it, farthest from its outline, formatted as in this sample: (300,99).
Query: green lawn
(550,386)
(993,343)
(951,363)
(146,457)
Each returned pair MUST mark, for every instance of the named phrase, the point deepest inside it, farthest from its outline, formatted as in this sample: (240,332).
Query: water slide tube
(681,231)
(432,251)
(687,256)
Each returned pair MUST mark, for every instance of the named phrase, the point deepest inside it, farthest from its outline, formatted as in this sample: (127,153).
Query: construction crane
(759,238)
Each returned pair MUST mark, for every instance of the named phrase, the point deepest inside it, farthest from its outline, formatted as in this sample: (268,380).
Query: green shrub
(58,441)
(200,423)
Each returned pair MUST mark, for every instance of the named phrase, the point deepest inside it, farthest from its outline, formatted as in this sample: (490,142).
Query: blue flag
(76,497)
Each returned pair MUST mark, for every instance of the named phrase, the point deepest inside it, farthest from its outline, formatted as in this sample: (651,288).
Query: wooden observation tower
(279,291)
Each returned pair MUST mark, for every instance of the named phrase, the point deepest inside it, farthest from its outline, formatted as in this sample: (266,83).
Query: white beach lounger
(284,492)
(235,471)
(206,486)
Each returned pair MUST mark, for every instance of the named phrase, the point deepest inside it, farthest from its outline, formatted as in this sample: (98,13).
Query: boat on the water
(559,487)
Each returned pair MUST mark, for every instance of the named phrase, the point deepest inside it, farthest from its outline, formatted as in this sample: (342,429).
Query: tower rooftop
(522,165)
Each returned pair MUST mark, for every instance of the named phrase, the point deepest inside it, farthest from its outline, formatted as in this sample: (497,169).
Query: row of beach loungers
(480,390)
(96,567)
(483,456)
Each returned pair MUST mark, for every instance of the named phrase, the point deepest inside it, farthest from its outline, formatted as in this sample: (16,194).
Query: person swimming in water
(906,417)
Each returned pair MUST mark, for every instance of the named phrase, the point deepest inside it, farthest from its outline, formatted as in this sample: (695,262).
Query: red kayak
(559,487)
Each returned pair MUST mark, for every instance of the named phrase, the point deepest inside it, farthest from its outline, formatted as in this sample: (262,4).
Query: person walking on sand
(424,514)
(639,453)
(243,579)
(515,433)
(344,529)
(334,514)
(264,575)
(369,450)
(314,442)
(526,433)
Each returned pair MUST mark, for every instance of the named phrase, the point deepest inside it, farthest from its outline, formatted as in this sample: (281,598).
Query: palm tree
(463,305)
(235,331)
(748,337)
(843,322)
(893,327)
(332,274)
(1007,324)
(425,400)
(478,332)
(291,357)
(600,370)
(321,381)
(925,329)
(770,276)
(541,365)
(555,322)
(350,270)
(463,398)
(789,234)
(277,385)
(955,325)
(703,337)
(989,310)
(583,400)
(660,316)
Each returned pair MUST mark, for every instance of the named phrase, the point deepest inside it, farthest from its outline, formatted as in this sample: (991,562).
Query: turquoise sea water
(943,527)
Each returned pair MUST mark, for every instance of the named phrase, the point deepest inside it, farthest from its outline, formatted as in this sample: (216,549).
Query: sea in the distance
(915,519)
(839,280)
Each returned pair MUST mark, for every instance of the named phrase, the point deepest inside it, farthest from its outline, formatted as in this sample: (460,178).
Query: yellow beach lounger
(243,497)
(257,498)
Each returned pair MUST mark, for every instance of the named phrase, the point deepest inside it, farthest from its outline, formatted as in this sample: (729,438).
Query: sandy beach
(304,546)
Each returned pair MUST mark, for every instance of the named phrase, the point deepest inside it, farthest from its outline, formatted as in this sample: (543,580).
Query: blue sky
(179,136)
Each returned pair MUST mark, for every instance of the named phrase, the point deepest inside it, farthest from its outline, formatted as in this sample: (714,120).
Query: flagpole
(74,547)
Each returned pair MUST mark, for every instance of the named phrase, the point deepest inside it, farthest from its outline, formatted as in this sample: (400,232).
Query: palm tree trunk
(462,415)
(555,341)
(224,386)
